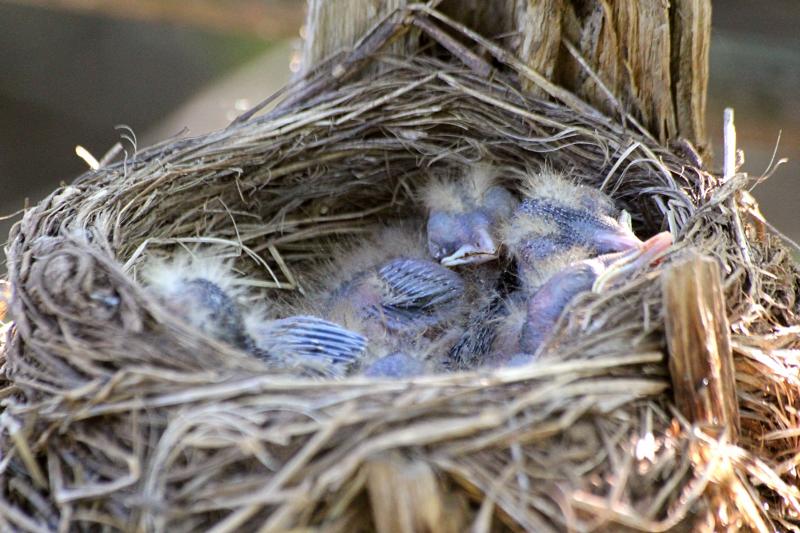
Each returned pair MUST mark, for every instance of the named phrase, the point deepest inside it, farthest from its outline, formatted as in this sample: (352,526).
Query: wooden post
(645,59)
(406,497)
(333,25)
(698,337)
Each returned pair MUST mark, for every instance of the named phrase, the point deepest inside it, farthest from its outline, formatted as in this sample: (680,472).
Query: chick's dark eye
(435,249)
(446,249)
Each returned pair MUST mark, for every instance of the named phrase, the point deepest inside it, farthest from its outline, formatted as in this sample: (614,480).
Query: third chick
(386,289)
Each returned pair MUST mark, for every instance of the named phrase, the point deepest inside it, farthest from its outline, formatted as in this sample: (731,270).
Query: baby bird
(566,239)
(545,306)
(558,217)
(203,291)
(464,216)
(387,290)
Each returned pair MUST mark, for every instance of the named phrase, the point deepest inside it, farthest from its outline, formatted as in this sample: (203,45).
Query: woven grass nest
(117,416)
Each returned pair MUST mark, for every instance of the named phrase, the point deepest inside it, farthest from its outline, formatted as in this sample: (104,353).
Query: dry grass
(117,416)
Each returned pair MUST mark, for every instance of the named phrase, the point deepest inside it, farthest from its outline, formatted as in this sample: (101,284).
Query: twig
(729,149)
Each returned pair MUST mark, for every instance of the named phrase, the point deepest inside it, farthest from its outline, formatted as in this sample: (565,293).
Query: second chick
(389,291)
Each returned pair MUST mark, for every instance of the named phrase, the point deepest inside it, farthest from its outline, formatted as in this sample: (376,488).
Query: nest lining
(119,415)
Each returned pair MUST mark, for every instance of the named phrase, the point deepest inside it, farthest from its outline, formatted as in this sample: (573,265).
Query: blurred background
(73,71)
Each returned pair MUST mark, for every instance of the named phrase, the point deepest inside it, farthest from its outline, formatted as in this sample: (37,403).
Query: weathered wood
(407,497)
(333,25)
(651,55)
(540,41)
(691,41)
(494,19)
(5,297)
(647,59)
(644,52)
(698,338)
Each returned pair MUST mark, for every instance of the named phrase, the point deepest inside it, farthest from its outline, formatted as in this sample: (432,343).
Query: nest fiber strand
(120,416)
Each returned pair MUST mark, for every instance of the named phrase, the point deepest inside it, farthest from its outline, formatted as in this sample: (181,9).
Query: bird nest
(117,415)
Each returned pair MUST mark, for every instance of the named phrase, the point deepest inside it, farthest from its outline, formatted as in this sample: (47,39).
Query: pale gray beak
(482,251)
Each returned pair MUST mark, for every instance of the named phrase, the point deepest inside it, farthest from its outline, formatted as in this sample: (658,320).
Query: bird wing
(415,288)
(312,342)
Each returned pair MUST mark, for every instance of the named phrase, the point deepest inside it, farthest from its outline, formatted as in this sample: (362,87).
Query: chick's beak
(473,253)
(654,247)
(616,240)
(621,264)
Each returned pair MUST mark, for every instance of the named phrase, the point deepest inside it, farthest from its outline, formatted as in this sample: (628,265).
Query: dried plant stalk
(406,496)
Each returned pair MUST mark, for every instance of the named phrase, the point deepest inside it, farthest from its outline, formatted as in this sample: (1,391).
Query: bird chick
(558,218)
(464,215)
(202,291)
(387,290)
(534,316)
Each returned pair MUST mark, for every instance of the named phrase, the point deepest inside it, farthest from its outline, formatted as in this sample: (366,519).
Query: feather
(307,342)
(202,291)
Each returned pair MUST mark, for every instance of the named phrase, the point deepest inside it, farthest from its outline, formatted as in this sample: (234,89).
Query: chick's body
(544,307)
(564,237)
(560,222)
(203,292)
(488,288)
(386,289)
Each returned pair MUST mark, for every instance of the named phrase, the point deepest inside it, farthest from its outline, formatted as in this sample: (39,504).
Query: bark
(698,338)
(647,59)
(333,25)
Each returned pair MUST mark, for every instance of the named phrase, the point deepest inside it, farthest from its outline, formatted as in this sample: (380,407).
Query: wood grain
(646,60)
(698,338)
(334,25)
